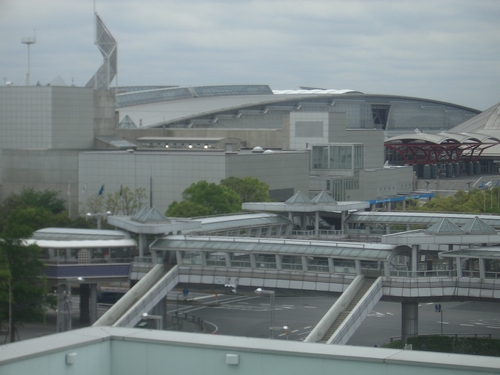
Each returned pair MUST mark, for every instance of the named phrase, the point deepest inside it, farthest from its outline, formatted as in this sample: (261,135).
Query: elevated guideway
(348,312)
(142,298)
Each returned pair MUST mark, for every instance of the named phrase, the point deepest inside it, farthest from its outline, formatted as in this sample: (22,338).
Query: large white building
(164,138)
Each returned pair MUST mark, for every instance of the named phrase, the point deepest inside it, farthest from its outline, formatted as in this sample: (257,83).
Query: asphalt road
(249,315)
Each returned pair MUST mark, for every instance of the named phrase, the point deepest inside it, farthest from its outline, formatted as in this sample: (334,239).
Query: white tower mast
(28,41)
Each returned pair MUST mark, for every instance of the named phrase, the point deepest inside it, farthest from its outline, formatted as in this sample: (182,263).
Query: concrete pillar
(357,264)
(84,303)
(316,223)
(409,320)
(331,266)
(482,270)
(93,303)
(154,257)
(414,260)
(342,220)
(459,266)
(61,319)
(159,310)
(253,261)
(387,229)
(142,244)
(387,271)
(427,171)
(279,261)
(305,267)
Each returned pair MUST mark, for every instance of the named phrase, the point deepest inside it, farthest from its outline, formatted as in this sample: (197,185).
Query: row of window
(277,262)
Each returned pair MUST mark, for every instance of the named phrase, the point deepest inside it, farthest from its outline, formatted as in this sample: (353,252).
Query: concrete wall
(119,351)
(41,170)
(280,170)
(173,172)
(105,117)
(384,182)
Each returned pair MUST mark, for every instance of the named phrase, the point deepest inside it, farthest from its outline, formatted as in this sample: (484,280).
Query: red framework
(431,153)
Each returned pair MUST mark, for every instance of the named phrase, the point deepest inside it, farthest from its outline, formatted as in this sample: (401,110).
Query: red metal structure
(420,148)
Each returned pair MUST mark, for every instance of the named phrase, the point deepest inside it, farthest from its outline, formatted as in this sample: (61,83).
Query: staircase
(367,283)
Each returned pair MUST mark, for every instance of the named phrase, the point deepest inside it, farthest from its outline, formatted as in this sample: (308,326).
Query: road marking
(439,322)
(307,327)
(309,307)
(494,327)
(216,328)
(467,325)
(303,333)
(296,330)
(388,313)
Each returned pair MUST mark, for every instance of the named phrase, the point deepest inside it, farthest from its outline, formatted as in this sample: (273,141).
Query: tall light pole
(64,306)
(28,41)
(157,318)
(99,217)
(271,294)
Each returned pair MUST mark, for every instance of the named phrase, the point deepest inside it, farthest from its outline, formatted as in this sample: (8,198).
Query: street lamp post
(99,217)
(271,294)
(157,318)
(64,308)
(440,310)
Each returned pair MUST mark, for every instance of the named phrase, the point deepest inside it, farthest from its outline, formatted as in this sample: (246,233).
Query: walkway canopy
(343,250)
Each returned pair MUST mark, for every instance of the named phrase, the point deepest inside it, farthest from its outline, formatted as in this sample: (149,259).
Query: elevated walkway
(142,298)
(348,312)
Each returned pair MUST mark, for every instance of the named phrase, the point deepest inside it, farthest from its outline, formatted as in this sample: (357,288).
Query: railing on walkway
(74,261)
(178,319)
(321,233)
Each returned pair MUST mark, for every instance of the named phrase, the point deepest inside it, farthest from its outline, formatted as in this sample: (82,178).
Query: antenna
(28,41)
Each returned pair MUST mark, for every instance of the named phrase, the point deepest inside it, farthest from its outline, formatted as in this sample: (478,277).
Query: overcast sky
(439,49)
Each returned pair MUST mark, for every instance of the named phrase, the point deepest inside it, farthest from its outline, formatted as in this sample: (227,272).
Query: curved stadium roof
(206,105)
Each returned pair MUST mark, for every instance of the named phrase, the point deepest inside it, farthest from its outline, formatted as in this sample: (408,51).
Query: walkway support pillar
(93,303)
(84,303)
(414,260)
(409,320)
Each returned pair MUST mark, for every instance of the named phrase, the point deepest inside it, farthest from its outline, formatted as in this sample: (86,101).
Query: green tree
(249,189)
(25,300)
(124,202)
(475,201)
(187,209)
(205,199)
(30,198)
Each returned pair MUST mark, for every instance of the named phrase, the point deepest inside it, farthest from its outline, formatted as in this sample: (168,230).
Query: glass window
(216,258)
(317,264)
(265,261)
(291,263)
(240,260)
(340,157)
(191,258)
(359,157)
(320,157)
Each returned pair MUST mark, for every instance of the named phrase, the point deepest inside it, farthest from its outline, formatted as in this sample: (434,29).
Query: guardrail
(323,233)
(73,261)
(179,318)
